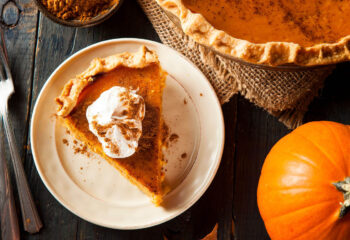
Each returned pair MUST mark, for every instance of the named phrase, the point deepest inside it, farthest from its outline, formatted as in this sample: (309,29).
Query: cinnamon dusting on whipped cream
(115,118)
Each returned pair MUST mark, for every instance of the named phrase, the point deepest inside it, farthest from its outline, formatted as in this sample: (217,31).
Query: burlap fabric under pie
(284,92)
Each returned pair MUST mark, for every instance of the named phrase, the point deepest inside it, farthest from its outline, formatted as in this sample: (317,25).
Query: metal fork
(31,220)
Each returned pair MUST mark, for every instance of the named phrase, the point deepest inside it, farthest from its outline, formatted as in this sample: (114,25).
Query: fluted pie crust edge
(270,53)
(71,91)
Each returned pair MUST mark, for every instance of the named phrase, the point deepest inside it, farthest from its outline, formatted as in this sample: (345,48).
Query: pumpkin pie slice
(115,108)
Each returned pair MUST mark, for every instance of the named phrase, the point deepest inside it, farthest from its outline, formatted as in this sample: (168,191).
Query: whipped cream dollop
(116,120)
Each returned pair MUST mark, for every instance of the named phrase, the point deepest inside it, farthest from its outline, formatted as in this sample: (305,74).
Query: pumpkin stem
(344,187)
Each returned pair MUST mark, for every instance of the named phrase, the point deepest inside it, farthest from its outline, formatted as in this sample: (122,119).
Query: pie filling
(144,165)
(305,22)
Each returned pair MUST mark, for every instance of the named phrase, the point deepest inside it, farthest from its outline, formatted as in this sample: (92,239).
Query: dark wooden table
(36,46)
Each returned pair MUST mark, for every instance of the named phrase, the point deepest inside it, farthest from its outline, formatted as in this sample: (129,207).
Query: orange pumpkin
(304,187)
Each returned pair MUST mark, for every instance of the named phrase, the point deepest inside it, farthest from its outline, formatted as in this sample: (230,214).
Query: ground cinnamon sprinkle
(80,149)
(173,137)
(78,9)
(65,141)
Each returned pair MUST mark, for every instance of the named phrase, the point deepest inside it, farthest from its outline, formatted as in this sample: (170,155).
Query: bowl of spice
(78,13)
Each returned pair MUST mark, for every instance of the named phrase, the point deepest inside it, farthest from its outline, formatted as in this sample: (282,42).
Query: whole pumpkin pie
(115,108)
(272,32)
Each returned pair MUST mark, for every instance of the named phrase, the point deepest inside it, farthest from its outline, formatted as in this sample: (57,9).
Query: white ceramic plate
(89,187)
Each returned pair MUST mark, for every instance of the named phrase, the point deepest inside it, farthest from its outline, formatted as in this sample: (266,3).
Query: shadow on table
(333,103)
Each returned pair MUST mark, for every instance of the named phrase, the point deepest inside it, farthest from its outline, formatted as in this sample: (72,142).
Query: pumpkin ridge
(308,230)
(320,149)
(300,209)
(301,188)
(331,230)
(317,225)
(348,130)
(304,159)
(339,142)
(340,234)
(308,162)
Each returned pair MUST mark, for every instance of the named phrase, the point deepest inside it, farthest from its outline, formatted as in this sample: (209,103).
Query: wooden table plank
(334,101)
(20,41)
(20,21)
(256,133)
(54,44)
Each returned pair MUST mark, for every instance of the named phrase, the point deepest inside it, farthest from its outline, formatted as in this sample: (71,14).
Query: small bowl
(78,23)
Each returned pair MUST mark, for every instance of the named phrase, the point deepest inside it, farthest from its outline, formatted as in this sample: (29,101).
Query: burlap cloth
(283,92)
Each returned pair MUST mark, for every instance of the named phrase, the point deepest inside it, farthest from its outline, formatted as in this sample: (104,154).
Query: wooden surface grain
(36,46)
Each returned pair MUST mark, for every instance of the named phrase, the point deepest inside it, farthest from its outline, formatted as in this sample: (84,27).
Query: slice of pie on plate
(115,108)
(272,32)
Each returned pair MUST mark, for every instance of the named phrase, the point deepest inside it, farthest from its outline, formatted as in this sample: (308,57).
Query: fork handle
(30,216)
(8,215)
(9,220)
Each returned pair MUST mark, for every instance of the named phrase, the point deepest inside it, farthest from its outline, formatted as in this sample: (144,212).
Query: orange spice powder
(78,9)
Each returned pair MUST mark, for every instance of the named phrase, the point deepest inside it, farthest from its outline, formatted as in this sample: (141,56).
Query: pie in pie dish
(115,108)
(271,32)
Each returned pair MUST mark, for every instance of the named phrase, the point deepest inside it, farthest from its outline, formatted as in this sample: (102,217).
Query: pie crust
(71,91)
(270,53)
(133,70)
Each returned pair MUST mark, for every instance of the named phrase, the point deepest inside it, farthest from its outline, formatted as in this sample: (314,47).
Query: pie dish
(272,32)
(142,71)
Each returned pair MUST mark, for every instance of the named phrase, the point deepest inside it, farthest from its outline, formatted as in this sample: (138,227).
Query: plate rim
(195,197)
